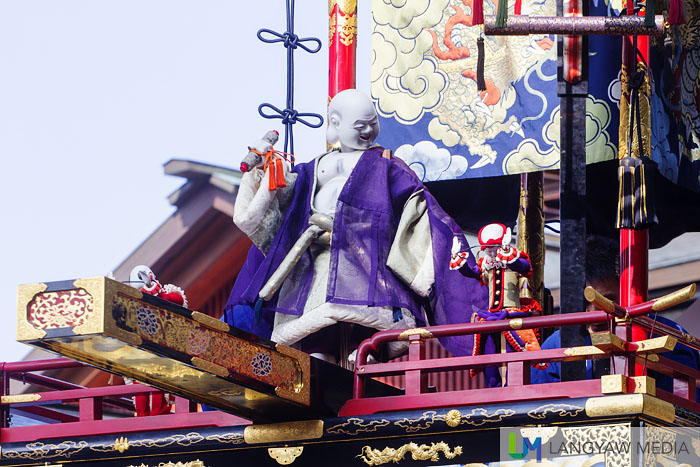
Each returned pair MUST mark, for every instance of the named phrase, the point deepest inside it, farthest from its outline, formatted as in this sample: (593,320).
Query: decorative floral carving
(261,364)
(198,342)
(147,321)
(62,309)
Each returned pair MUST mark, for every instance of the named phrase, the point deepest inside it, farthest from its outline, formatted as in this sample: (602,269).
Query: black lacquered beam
(522,25)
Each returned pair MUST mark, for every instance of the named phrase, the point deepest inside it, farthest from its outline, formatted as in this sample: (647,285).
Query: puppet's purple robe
(367,215)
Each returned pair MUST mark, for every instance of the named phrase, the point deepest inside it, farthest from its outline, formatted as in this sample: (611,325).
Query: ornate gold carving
(210,322)
(210,367)
(544,432)
(121,444)
(349,7)
(453,418)
(94,322)
(613,384)
(25,294)
(302,385)
(515,323)
(423,333)
(531,232)
(195,463)
(20,398)
(283,432)
(418,453)
(59,309)
(345,21)
(674,298)
(353,426)
(629,404)
(592,435)
(285,455)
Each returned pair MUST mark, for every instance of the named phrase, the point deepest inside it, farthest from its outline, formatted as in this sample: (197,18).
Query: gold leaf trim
(563,410)
(629,404)
(453,418)
(95,287)
(25,294)
(282,432)
(354,426)
(674,298)
(302,385)
(210,367)
(210,322)
(20,398)
(613,384)
(657,345)
(418,453)
(121,444)
(643,385)
(348,7)
(195,463)
(607,341)
(286,455)
(583,350)
(423,333)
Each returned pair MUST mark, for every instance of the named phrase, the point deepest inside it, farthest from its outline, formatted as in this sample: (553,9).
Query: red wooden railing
(91,405)
(417,368)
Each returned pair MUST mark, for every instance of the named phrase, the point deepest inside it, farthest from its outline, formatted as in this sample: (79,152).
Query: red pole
(634,244)
(342,45)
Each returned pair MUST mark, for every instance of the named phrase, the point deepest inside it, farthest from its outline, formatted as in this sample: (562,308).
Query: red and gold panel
(62,309)
(115,327)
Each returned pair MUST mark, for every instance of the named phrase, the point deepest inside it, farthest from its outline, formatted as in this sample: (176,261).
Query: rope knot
(636,80)
(289,116)
(290,40)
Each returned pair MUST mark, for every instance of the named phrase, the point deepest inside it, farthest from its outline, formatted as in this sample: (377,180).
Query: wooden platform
(117,328)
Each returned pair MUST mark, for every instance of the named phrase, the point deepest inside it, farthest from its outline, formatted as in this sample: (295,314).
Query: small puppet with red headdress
(501,266)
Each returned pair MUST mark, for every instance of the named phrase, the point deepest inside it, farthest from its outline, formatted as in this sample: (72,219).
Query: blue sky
(95,96)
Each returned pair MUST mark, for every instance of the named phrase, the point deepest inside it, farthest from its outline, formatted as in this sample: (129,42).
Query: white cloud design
(444,133)
(431,163)
(528,156)
(405,83)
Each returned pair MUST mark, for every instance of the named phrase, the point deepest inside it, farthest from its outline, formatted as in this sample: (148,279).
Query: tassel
(477,12)
(398,314)
(272,186)
(649,20)
(675,13)
(502,14)
(635,209)
(480,81)
(279,169)
(518,7)
(257,309)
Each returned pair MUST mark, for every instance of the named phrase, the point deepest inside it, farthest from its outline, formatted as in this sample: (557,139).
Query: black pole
(572,213)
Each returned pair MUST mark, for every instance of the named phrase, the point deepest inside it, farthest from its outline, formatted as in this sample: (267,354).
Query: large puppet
(501,266)
(353,237)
